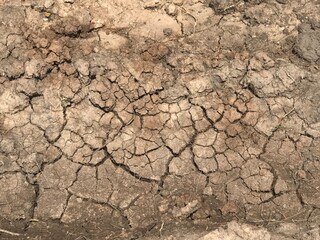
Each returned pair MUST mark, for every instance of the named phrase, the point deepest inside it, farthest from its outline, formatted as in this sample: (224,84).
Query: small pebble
(151,3)
(47,14)
(171,10)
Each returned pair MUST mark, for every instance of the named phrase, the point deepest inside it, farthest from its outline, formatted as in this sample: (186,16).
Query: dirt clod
(308,41)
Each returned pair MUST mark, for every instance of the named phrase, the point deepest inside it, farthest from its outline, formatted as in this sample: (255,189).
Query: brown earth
(159,119)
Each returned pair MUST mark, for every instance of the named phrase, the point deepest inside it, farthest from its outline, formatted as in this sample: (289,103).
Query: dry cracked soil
(159,119)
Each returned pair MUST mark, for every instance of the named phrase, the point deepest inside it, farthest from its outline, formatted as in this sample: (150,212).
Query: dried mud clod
(126,117)
(307,45)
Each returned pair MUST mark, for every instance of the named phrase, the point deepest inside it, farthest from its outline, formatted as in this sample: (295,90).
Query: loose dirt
(154,119)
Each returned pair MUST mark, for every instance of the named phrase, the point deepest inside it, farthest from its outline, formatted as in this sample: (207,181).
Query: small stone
(163,207)
(208,191)
(302,174)
(47,14)
(69,1)
(151,3)
(171,10)
(98,23)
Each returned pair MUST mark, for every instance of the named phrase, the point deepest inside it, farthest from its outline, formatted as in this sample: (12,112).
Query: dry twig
(9,232)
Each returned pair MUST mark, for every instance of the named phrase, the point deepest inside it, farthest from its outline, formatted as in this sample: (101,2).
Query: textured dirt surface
(136,119)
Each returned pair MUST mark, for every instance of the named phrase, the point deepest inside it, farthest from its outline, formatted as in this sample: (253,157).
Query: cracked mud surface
(120,118)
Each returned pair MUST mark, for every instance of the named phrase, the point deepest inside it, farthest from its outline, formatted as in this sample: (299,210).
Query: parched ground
(154,119)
